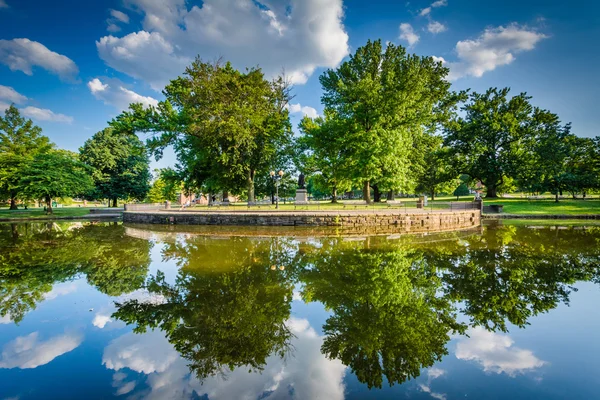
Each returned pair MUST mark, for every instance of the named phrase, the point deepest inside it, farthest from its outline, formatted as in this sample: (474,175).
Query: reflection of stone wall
(412,221)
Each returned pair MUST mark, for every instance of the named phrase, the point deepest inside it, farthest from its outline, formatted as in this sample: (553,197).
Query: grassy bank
(39,213)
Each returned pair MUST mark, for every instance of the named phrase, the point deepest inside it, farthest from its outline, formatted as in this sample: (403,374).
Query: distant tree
(164,187)
(461,190)
(385,97)
(20,141)
(324,151)
(121,165)
(493,140)
(431,166)
(55,174)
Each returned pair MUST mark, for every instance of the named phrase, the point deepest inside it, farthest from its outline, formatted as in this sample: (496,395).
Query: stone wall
(408,221)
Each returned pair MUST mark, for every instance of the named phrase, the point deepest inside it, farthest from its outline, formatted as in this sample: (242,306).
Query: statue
(301,183)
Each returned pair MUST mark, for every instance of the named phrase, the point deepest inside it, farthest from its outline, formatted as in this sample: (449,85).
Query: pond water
(106,310)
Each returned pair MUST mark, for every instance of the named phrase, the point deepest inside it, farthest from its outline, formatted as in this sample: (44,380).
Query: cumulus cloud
(10,95)
(114,93)
(297,36)
(100,320)
(115,18)
(408,33)
(24,54)
(7,319)
(307,370)
(120,16)
(493,48)
(433,373)
(60,289)
(305,110)
(29,352)
(436,27)
(496,353)
(43,114)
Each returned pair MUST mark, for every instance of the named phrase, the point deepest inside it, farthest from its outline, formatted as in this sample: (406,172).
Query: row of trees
(391,123)
(111,165)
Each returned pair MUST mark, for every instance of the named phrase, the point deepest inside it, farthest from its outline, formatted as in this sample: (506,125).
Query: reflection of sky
(72,334)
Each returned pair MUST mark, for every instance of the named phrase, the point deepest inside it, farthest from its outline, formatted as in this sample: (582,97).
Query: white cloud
(436,27)
(407,33)
(295,35)
(435,4)
(433,373)
(24,54)
(495,353)
(306,369)
(439,59)
(7,319)
(113,28)
(28,352)
(113,92)
(493,48)
(120,16)
(305,110)
(101,320)
(3,4)
(11,95)
(60,289)
(43,114)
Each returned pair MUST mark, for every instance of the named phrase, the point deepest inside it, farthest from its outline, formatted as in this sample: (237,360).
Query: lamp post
(276,178)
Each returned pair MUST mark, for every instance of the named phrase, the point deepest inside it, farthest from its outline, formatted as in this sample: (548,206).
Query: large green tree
(57,173)
(434,173)
(495,137)
(386,98)
(20,141)
(226,126)
(121,165)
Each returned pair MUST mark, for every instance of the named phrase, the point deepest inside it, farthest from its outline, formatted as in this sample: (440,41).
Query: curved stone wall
(349,220)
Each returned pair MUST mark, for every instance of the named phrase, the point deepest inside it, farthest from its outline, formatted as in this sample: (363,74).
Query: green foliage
(384,98)
(462,190)
(226,126)
(121,165)
(54,174)
(20,141)
(431,166)
(164,187)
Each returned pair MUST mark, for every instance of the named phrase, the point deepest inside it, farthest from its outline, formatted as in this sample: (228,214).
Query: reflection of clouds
(6,319)
(60,290)
(100,320)
(142,296)
(495,353)
(306,373)
(433,373)
(27,352)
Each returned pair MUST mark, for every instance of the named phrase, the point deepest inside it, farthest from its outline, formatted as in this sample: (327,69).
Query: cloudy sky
(72,65)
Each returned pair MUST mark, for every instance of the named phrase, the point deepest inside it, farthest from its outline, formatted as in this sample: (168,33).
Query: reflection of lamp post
(276,178)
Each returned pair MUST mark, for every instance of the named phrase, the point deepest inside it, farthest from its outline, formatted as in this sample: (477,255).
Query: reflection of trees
(226,308)
(513,273)
(387,320)
(34,257)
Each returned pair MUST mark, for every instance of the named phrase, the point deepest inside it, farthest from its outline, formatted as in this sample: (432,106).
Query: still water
(507,311)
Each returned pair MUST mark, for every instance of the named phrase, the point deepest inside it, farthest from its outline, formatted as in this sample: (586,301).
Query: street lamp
(276,178)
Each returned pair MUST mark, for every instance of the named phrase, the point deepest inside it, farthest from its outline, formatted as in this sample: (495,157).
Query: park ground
(515,205)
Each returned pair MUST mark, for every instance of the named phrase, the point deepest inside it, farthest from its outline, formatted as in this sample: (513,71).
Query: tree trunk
(334,194)
(491,192)
(114,202)
(251,186)
(376,194)
(49,205)
(367,192)
(432,194)
(390,195)
(225,196)
(13,203)
(556,197)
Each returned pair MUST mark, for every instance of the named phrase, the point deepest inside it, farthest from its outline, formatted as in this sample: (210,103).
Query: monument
(301,193)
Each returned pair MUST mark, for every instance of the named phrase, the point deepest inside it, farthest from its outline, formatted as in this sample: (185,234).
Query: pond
(103,310)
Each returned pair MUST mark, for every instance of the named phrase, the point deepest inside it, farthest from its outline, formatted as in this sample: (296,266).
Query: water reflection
(205,314)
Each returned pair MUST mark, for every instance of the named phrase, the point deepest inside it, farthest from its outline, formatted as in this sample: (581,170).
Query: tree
(226,126)
(323,150)
(55,174)
(164,186)
(494,138)
(385,98)
(431,166)
(461,190)
(121,165)
(20,140)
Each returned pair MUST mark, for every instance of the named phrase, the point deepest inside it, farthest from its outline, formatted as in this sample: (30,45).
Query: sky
(73,65)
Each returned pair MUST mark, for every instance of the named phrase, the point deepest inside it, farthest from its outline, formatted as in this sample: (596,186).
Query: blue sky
(73,65)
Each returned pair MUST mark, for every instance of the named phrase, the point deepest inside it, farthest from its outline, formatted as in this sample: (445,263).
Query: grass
(546,207)
(39,213)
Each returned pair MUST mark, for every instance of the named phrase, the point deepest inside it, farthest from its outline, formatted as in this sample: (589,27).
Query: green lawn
(38,213)
(518,206)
